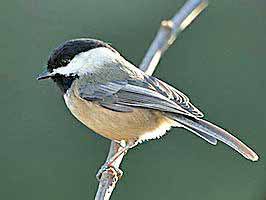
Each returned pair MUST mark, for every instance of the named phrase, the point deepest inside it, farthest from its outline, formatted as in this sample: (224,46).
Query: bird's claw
(116,172)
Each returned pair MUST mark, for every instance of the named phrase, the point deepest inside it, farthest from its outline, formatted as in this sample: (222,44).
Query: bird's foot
(112,170)
(109,165)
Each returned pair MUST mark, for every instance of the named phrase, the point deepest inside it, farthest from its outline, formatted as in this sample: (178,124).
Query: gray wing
(174,95)
(123,95)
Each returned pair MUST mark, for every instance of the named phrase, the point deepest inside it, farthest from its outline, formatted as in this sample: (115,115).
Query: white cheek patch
(88,62)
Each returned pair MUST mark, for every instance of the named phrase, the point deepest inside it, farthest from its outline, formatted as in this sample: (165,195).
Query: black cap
(64,53)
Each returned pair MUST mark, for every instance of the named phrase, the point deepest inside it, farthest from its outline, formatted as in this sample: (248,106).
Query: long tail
(211,132)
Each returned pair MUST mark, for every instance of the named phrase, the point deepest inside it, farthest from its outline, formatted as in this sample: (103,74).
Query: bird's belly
(140,124)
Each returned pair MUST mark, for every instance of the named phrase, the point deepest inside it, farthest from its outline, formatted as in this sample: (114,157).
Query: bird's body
(118,101)
(138,125)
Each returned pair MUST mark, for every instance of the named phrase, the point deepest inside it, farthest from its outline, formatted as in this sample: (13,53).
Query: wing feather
(123,95)
(174,94)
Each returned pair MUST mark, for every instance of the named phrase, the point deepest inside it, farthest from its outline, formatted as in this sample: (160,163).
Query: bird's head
(74,58)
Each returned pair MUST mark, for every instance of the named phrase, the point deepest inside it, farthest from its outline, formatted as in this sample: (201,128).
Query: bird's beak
(44,75)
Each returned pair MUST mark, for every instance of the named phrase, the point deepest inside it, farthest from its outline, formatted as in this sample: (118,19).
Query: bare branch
(168,32)
(165,37)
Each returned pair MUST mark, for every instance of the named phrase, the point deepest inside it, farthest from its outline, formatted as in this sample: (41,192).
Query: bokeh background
(45,153)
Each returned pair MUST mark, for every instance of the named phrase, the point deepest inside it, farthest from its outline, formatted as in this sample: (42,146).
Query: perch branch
(165,37)
(109,178)
(168,32)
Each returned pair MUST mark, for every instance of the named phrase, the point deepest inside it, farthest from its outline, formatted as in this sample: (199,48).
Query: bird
(117,100)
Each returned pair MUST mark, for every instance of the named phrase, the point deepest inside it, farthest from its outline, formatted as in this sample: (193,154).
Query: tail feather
(208,138)
(211,132)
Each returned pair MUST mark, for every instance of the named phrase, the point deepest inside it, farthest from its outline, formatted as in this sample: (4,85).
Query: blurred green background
(219,61)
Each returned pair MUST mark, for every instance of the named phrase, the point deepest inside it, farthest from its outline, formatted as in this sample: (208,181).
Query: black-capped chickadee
(120,102)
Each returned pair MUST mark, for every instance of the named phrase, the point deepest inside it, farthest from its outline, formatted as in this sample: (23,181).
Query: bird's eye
(65,62)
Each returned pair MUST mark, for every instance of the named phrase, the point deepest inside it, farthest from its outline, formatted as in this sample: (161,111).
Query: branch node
(168,24)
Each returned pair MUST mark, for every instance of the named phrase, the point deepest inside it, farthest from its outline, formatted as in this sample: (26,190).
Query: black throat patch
(64,53)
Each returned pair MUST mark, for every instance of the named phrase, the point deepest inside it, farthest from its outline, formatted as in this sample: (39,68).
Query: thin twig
(168,32)
(165,37)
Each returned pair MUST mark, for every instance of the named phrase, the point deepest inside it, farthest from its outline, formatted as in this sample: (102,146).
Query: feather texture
(213,131)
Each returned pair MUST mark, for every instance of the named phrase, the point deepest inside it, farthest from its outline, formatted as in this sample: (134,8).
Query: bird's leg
(109,164)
